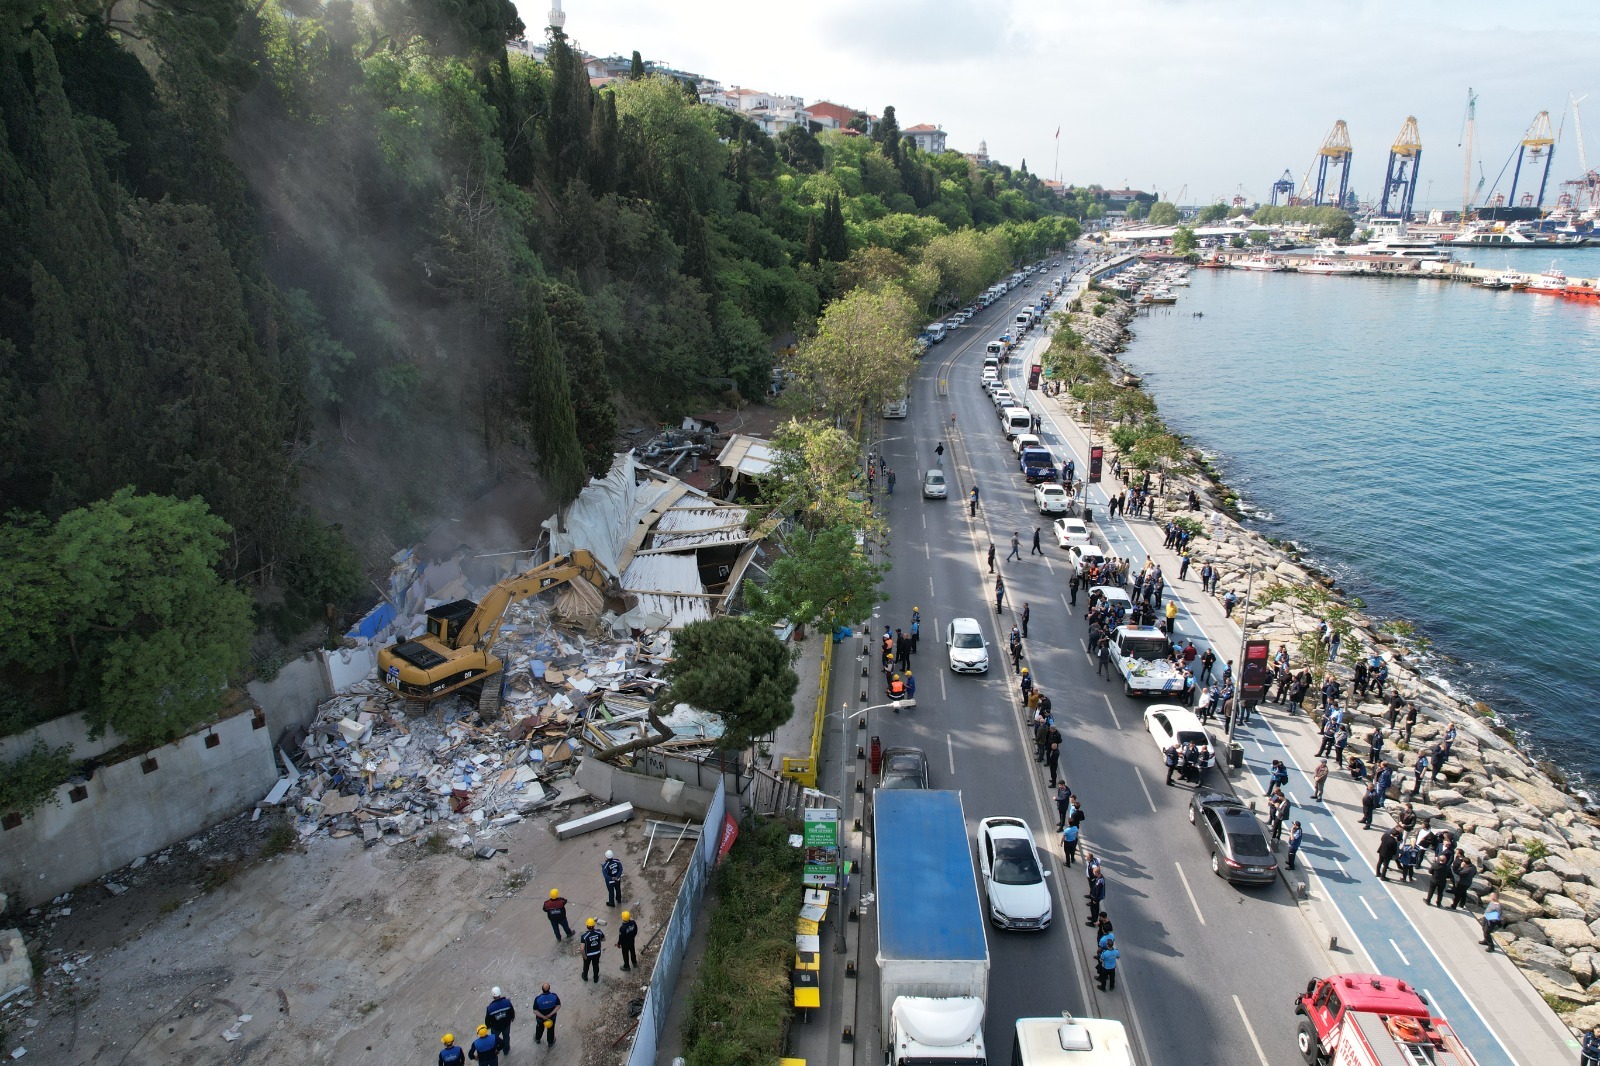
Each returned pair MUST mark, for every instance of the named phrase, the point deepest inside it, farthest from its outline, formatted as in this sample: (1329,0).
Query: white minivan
(1017,420)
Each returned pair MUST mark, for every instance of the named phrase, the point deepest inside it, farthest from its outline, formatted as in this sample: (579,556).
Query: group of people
(898,648)
(494,1035)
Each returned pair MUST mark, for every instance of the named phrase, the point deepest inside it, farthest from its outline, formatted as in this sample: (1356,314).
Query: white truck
(1069,1041)
(1140,653)
(933,958)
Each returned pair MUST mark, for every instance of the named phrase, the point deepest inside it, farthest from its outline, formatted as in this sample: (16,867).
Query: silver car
(934,486)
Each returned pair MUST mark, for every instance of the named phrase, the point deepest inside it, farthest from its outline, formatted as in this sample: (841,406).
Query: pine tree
(636,71)
(571,102)
(604,141)
(813,242)
(544,394)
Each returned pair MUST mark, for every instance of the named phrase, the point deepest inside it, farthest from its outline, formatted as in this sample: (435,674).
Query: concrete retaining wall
(664,795)
(71,729)
(126,812)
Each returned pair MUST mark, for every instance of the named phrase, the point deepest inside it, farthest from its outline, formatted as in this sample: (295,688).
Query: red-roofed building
(831,116)
(926,137)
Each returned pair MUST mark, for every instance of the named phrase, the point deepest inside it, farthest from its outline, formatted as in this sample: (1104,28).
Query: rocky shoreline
(1534,841)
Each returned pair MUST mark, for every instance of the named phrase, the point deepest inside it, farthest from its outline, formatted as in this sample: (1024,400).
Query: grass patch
(435,844)
(218,876)
(1560,1004)
(279,840)
(171,906)
(741,1005)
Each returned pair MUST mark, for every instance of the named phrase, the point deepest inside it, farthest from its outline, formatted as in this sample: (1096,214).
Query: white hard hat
(495,991)
(608,855)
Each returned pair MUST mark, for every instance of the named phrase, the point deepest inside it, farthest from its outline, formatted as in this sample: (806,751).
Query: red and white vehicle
(1363,1019)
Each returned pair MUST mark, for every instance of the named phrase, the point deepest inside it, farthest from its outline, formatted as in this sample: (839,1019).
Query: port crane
(1585,190)
(1469,133)
(1400,178)
(1334,153)
(1284,187)
(1538,146)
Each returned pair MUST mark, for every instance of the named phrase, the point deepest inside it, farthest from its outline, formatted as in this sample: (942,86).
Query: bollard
(850,968)
(848,1037)
(1333,943)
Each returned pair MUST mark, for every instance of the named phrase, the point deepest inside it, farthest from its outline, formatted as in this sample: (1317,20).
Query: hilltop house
(927,138)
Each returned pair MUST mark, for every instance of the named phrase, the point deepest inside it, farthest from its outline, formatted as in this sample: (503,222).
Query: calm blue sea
(1433,445)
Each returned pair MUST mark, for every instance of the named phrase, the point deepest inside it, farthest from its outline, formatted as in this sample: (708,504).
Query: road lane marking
(942,694)
(1113,711)
(1147,797)
(1196,905)
(1398,952)
(950,744)
(1367,905)
(1251,1030)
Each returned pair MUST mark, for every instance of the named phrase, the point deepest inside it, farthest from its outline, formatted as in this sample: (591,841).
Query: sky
(1213,97)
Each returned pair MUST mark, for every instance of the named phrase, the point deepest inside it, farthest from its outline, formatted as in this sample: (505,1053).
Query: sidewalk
(1487,999)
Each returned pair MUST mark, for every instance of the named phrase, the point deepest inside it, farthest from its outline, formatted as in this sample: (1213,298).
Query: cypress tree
(545,402)
(66,429)
(603,142)
(637,70)
(835,239)
(813,242)
(568,123)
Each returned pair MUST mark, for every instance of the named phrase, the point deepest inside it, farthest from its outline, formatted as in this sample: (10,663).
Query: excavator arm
(483,626)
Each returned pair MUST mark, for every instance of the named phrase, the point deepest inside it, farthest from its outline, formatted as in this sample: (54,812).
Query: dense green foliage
(32,779)
(740,1007)
(321,261)
(737,669)
(1330,221)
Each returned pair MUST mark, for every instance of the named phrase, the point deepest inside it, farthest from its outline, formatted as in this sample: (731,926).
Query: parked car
(1070,531)
(933,485)
(1238,845)
(1051,498)
(1013,877)
(1079,556)
(1170,724)
(903,768)
(1024,440)
(968,651)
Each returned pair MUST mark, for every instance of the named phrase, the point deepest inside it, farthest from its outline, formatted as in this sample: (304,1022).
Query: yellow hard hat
(1024,669)
(483,1030)
(908,673)
(590,923)
(626,915)
(554,893)
(447,1039)
(896,677)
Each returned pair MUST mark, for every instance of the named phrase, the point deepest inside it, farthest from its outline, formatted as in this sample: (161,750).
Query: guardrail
(804,769)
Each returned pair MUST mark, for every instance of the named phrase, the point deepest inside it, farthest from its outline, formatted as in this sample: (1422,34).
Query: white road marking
(1194,903)
(1342,870)
(1065,604)
(1113,711)
(1400,953)
(1251,1030)
(1147,797)
(942,694)
(927,551)
(1367,905)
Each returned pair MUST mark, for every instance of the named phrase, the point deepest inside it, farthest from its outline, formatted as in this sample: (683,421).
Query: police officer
(555,908)
(627,932)
(498,1016)
(611,871)
(591,940)
(451,1055)
(545,1005)
(486,1049)
(1106,964)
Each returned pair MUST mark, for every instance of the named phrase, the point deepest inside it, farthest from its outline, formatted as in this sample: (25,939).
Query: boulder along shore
(1534,840)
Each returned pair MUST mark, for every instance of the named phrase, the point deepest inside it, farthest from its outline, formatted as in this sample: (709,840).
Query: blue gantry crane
(1335,153)
(1283,187)
(1400,179)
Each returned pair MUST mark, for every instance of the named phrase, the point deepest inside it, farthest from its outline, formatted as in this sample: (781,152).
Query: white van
(1016,420)
(1024,320)
(897,408)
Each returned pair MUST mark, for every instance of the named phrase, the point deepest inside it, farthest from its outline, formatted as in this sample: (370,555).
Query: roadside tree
(1163,213)
(822,579)
(738,670)
(859,357)
(1183,241)
(816,472)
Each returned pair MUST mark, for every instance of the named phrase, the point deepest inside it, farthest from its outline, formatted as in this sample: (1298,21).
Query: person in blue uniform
(592,940)
(498,1016)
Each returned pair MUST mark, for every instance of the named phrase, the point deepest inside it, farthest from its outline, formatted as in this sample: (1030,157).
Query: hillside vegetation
(299,264)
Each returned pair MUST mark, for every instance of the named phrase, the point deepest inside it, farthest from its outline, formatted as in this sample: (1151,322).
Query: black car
(1238,844)
(904,768)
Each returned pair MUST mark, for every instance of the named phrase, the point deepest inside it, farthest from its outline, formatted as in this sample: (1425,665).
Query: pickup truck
(1366,1019)
(1140,653)
(1038,465)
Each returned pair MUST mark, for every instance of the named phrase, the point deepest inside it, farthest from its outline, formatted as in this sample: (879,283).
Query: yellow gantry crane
(1335,152)
(1538,146)
(1400,179)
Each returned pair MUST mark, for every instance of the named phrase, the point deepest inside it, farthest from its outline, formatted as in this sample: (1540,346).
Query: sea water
(1433,445)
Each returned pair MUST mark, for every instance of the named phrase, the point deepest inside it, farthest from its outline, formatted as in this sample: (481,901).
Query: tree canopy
(736,669)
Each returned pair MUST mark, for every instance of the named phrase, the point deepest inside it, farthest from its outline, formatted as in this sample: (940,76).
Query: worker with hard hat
(897,687)
(916,627)
(498,1016)
(555,908)
(911,686)
(451,1055)
(627,932)
(611,873)
(545,1005)
(485,1050)
(592,940)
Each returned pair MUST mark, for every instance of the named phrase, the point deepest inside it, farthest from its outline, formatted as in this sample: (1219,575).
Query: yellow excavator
(457,649)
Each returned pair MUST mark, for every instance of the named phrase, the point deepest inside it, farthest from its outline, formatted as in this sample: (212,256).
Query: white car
(1025,440)
(933,485)
(1070,531)
(991,376)
(1051,498)
(1013,877)
(1170,724)
(1080,556)
(968,651)
(1117,598)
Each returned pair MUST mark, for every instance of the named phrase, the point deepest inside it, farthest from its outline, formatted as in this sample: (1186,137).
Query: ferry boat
(1328,266)
(1259,262)
(1583,291)
(1550,283)
(1481,236)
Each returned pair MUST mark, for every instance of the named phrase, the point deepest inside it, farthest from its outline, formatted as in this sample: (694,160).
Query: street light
(845,716)
(1238,662)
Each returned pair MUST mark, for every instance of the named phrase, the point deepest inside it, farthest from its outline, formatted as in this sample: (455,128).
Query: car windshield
(903,771)
(1247,842)
(935,478)
(1014,863)
(967,640)
(1057,490)
(1146,648)
(1193,736)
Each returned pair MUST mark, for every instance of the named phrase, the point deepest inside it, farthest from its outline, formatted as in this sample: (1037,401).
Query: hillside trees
(859,357)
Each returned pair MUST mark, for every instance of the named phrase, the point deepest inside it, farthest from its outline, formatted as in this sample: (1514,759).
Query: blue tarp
(927,893)
(374,621)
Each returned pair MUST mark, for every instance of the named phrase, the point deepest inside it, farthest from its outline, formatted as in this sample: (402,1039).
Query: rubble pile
(366,767)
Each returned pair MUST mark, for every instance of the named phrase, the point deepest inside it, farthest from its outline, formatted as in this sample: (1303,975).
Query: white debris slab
(622,812)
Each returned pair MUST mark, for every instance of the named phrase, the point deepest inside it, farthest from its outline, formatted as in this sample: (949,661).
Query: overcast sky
(1161,94)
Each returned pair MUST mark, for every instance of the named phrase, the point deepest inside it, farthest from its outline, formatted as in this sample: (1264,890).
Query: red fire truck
(1364,1019)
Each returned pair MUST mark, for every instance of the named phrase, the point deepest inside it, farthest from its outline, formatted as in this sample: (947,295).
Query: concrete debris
(366,767)
(598,820)
(15,967)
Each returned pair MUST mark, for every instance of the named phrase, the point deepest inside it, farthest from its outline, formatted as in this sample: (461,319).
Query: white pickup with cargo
(933,958)
(1140,653)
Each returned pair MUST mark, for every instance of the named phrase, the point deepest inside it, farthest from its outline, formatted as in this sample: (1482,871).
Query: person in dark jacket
(1464,872)
(555,908)
(1589,1052)
(1388,848)
(1097,895)
(1052,760)
(611,874)
(592,940)
(627,933)
(1369,803)
(451,1055)
(545,1006)
(1438,878)
(1295,836)
(485,1050)
(498,1016)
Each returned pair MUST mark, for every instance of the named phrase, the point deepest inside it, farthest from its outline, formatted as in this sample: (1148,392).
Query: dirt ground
(337,953)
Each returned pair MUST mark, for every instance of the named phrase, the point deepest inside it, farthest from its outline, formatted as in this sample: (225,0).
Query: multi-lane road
(1208,970)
